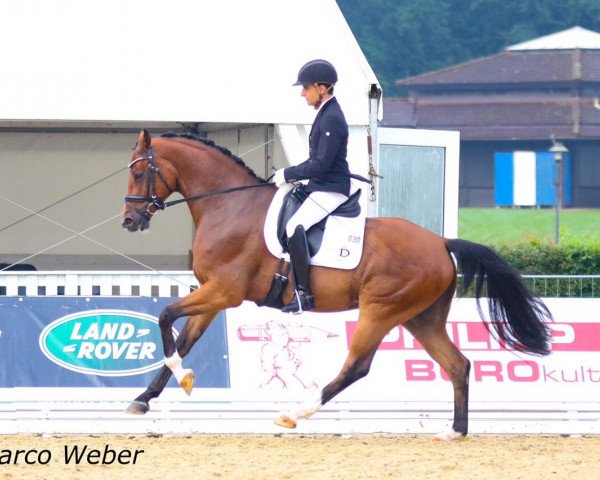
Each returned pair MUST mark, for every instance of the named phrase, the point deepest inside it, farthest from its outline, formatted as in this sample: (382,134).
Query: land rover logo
(104,342)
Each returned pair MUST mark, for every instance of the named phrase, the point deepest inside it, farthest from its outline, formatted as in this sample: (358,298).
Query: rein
(211,194)
(159,204)
(152,199)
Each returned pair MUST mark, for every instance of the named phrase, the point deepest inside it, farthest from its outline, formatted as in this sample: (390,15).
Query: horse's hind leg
(190,333)
(366,339)
(429,328)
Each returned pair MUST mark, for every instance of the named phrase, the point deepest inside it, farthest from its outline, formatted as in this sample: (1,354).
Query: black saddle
(291,203)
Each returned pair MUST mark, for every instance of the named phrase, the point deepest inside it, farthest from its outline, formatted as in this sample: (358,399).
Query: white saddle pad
(343,238)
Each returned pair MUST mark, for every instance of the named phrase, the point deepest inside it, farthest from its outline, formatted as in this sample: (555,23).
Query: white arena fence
(267,362)
(86,283)
(177,284)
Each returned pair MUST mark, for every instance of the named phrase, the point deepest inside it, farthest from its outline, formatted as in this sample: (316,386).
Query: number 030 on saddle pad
(335,242)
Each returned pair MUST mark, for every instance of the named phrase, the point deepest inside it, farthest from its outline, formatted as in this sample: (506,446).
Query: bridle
(159,204)
(151,198)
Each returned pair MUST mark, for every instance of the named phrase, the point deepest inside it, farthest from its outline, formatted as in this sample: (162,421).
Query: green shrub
(572,256)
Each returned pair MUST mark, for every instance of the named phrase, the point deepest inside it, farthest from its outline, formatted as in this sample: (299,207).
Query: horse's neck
(212,173)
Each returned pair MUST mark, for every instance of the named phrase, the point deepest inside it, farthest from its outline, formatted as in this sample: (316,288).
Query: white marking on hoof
(307,410)
(175,365)
(449,436)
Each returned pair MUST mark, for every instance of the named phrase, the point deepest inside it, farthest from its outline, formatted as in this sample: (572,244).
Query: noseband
(151,198)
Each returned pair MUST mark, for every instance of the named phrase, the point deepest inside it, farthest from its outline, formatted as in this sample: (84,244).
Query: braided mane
(210,143)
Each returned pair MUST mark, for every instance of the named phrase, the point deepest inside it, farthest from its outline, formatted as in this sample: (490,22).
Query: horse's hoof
(449,436)
(137,408)
(285,421)
(187,382)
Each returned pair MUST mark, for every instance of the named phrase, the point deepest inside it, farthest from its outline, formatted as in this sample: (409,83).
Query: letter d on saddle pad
(104,342)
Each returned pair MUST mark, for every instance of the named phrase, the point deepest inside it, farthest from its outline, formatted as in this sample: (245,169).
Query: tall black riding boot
(300,259)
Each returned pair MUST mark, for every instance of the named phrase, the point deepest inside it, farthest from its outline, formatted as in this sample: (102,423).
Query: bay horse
(406,275)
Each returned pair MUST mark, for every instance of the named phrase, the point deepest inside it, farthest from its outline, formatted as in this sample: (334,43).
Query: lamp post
(558,150)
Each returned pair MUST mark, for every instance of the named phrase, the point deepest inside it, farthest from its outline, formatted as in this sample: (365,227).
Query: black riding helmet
(317,71)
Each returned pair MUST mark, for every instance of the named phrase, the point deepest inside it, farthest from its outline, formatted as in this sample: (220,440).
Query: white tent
(80,78)
(176,60)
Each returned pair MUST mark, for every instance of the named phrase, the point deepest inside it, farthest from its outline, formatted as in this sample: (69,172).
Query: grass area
(493,226)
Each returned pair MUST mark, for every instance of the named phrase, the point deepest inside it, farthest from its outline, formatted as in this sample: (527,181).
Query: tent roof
(572,38)
(182,60)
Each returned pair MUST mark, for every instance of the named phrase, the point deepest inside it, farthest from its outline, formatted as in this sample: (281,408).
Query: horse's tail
(517,316)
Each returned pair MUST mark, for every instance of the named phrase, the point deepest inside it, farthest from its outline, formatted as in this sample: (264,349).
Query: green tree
(402,38)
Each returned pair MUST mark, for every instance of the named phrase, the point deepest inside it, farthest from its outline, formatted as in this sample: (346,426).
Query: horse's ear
(145,139)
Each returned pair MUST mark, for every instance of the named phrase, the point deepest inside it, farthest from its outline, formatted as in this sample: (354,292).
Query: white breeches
(314,209)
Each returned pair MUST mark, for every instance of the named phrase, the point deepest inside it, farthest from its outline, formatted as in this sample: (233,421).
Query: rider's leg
(300,259)
(316,207)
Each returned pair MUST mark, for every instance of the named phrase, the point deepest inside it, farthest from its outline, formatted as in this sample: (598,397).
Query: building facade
(515,101)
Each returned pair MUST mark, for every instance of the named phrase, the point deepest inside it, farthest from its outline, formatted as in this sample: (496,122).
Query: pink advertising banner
(278,356)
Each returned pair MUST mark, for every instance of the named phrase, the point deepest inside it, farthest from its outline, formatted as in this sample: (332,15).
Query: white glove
(279,177)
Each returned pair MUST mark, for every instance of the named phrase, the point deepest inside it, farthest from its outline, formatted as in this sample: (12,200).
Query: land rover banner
(96,342)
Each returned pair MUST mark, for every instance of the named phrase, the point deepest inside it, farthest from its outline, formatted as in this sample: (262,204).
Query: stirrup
(301,301)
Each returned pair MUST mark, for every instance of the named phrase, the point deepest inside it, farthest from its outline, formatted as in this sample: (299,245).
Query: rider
(326,169)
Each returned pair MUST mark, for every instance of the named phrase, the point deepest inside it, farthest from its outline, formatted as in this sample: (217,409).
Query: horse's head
(146,195)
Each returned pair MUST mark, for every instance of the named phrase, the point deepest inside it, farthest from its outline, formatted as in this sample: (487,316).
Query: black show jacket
(326,168)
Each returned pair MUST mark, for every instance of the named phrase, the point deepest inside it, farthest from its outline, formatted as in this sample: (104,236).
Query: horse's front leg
(207,300)
(191,332)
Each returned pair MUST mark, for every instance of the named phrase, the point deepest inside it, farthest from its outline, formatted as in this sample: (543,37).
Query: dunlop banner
(275,354)
(97,342)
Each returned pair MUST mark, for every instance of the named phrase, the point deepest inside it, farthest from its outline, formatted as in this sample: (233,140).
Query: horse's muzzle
(133,221)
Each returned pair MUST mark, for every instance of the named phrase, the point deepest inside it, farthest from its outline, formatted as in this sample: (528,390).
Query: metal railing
(564,286)
(560,286)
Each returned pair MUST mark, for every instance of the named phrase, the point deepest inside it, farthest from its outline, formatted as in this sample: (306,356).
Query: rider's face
(311,93)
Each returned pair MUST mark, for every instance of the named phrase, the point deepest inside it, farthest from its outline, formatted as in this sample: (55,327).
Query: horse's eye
(138,174)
